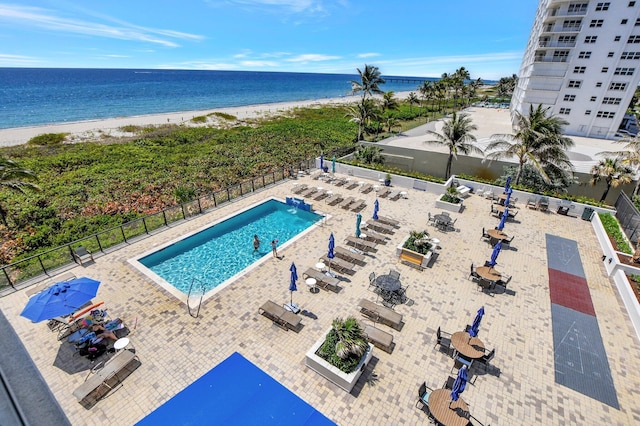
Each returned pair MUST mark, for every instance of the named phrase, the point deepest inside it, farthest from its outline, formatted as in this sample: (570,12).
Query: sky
(421,38)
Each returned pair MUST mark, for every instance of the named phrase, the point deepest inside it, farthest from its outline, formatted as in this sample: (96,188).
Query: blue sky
(423,38)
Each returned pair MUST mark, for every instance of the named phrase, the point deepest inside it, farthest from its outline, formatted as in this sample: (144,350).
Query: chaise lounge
(323,280)
(360,243)
(350,255)
(380,227)
(339,265)
(104,379)
(380,314)
(280,316)
(379,338)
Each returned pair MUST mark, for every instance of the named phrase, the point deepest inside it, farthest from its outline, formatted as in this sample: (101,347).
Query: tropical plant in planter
(450,196)
(418,242)
(387,180)
(344,345)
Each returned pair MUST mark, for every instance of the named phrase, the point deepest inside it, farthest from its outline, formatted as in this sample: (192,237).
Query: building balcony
(550,44)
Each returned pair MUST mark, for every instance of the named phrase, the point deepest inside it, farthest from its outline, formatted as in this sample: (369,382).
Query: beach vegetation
(612,228)
(369,154)
(17,179)
(613,172)
(48,139)
(224,116)
(199,119)
(629,156)
(130,128)
(344,345)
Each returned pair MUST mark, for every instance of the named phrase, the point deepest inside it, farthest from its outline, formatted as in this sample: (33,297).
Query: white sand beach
(93,129)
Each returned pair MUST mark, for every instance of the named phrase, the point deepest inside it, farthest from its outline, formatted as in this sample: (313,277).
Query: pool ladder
(195,287)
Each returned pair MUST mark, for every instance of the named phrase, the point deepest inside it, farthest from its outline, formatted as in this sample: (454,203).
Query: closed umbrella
(321,162)
(473,331)
(294,278)
(503,219)
(459,384)
(506,187)
(375,209)
(60,299)
(358,222)
(333,164)
(508,199)
(495,253)
(330,254)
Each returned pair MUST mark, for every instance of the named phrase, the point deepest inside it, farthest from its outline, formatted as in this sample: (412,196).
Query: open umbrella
(330,253)
(503,219)
(506,187)
(473,331)
(294,278)
(333,164)
(358,222)
(60,299)
(321,162)
(459,384)
(495,253)
(375,209)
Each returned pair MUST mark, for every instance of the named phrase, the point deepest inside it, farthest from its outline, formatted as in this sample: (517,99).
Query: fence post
(184,215)
(215,203)
(164,215)
(228,194)
(98,241)
(123,236)
(264,182)
(42,265)
(8,279)
(199,205)
(253,188)
(144,223)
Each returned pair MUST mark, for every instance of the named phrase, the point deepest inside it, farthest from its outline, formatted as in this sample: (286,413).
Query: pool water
(219,252)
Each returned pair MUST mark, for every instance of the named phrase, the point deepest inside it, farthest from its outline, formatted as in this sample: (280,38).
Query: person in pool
(256,243)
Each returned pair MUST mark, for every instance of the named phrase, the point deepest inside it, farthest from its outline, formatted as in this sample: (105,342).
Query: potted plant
(449,201)
(342,354)
(416,249)
(387,180)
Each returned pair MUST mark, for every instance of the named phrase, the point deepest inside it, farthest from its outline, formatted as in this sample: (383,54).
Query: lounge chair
(104,379)
(350,255)
(299,188)
(366,188)
(339,265)
(279,315)
(357,205)
(346,202)
(374,236)
(334,199)
(320,195)
(352,185)
(394,195)
(389,221)
(380,227)
(81,255)
(543,204)
(532,203)
(308,192)
(384,192)
(323,280)
(361,244)
(339,181)
(380,314)
(379,338)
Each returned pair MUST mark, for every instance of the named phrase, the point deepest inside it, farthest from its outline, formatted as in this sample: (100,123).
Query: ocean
(40,96)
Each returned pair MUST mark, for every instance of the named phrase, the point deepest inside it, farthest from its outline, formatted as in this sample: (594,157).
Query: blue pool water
(217,253)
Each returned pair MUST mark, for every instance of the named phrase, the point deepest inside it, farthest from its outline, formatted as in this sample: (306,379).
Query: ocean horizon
(46,96)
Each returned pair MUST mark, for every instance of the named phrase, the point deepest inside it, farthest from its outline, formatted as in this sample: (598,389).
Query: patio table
(387,283)
(469,347)
(489,273)
(447,412)
(496,234)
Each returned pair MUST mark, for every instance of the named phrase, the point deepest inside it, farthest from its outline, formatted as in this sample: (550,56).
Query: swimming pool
(220,251)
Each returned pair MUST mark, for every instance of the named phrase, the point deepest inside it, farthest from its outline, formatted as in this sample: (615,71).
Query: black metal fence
(629,217)
(50,261)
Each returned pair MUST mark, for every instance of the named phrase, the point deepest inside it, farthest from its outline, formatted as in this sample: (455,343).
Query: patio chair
(444,340)
(394,274)
(474,422)
(473,274)
(485,235)
(489,194)
(532,203)
(372,279)
(448,384)
(459,361)
(486,358)
(543,204)
(431,220)
(485,285)
(423,399)
(507,242)
(81,255)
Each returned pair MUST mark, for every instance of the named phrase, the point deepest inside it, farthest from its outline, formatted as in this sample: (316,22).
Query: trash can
(587,213)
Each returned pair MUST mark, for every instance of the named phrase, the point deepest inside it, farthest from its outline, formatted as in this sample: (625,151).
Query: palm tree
(458,79)
(369,154)
(14,177)
(630,156)
(456,136)
(412,99)
(441,92)
(538,141)
(351,341)
(389,102)
(613,172)
(361,113)
(370,81)
(427,91)
(390,122)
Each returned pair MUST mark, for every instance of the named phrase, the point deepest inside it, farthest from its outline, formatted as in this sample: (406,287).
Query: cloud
(258,64)
(293,6)
(17,60)
(44,18)
(368,55)
(312,57)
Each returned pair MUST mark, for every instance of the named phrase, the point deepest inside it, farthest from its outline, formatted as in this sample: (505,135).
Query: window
(610,55)
(596,23)
(624,22)
(634,39)
(616,38)
(637,22)
(618,86)
(584,55)
(569,24)
(632,3)
(587,112)
(590,39)
(578,7)
(602,6)
(624,71)
(569,98)
(630,55)
(593,98)
(605,69)
(564,40)
(565,111)
(579,70)
(611,101)
(599,84)
(574,84)
(605,114)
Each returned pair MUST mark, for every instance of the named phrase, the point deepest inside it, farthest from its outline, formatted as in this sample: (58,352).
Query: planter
(334,374)
(444,205)
(411,257)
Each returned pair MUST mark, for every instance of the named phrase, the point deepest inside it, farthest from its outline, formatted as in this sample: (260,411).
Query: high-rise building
(582,60)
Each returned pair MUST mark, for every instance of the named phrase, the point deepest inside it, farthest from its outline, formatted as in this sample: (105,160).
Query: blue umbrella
(508,199)
(294,278)
(495,252)
(459,384)
(473,331)
(321,162)
(332,245)
(503,219)
(333,164)
(506,187)
(375,209)
(358,222)
(60,299)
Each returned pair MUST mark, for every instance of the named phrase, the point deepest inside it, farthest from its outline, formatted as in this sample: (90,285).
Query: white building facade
(583,61)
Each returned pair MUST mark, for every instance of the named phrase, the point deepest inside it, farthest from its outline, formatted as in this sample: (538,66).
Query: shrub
(47,139)
(344,345)
(418,242)
(612,228)
(199,119)
(224,116)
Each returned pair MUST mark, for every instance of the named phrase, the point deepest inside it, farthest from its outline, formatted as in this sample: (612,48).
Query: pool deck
(175,349)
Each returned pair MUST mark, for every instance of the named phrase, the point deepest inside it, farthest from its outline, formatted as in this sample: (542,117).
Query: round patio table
(496,234)
(387,282)
(470,347)
(442,218)
(489,273)
(447,412)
